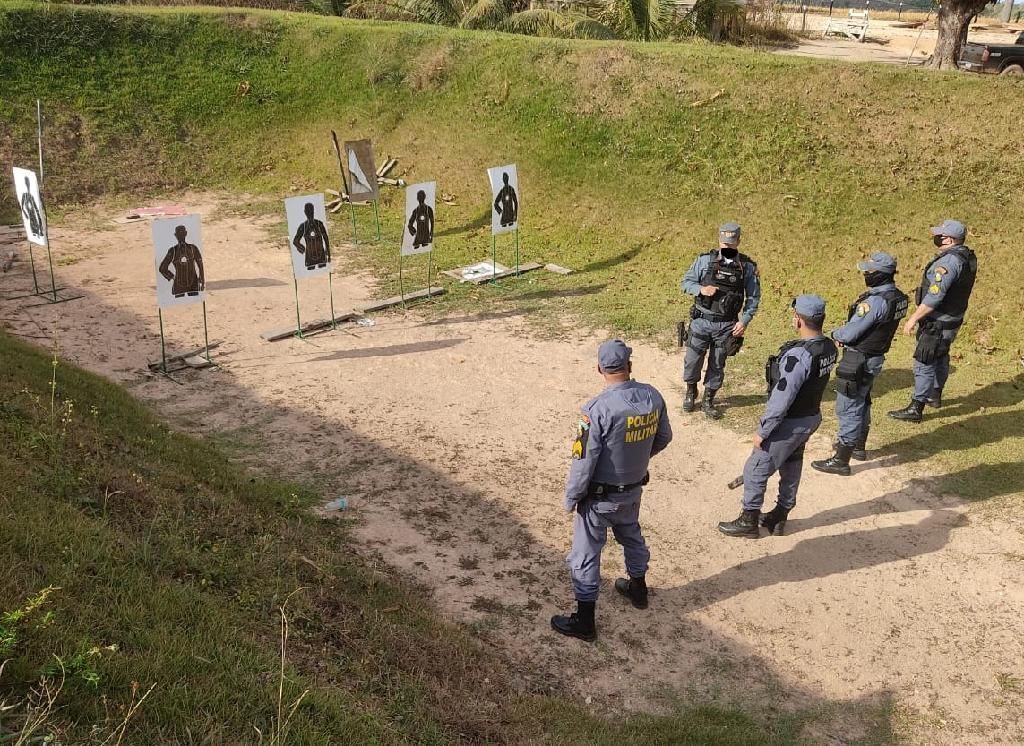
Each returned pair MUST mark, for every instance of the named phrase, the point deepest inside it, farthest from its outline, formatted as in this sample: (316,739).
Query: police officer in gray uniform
(727,292)
(942,302)
(865,337)
(797,377)
(618,432)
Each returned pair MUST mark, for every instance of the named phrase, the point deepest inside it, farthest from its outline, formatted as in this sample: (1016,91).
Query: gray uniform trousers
(696,350)
(590,532)
(931,378)
(854,412)
(782,451)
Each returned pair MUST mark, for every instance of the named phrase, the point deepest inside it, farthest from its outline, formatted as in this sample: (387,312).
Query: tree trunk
(1004,16)
(954,20)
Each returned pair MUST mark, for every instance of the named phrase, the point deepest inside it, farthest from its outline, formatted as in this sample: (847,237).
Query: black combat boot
(860,449)
(910,413)
(837,463)
(775,520)
(710,410)
(935,399)
(635,589)
(690,398)
(745,526)
(580,625)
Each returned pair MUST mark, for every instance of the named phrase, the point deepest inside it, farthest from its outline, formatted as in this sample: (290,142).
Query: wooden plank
(397,300)
(275,335)
(558,269)
(181,358)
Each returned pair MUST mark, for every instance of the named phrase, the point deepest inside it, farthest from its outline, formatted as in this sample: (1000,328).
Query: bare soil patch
(883,589)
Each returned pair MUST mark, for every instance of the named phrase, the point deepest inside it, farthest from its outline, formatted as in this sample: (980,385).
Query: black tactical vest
(955,301)
(823,360)
(729,278)
(879,339)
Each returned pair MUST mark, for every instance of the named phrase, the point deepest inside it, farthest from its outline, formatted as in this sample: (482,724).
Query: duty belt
(597,489)
(708,316)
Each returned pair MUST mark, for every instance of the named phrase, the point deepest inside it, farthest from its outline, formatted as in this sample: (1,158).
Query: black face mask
(874,279)
(937,240)
(729,253)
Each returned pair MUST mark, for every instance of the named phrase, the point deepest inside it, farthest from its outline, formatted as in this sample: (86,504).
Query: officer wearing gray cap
(797,378)
(942,302)
(866,336)
(727,291)
(618,432)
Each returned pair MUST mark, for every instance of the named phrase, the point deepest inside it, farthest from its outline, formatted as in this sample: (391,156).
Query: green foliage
(640,20)
(485,14)
(440,12)
(715,19)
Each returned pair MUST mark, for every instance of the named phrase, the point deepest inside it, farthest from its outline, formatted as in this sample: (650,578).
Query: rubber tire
(1013,70)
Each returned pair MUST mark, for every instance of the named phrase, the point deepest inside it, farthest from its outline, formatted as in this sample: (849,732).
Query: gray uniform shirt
(794,369)
(691,284)
(618,432)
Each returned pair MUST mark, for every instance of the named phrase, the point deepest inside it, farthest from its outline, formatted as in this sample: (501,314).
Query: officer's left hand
(758,440)
(908,328)
(738,328)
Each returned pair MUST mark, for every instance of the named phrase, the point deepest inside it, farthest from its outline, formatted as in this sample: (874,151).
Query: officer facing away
(942,302)
(865,337)
(727,292)
(797,377)
(618,432)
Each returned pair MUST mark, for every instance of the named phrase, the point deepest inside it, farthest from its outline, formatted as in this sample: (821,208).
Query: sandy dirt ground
(890,42)
(450,435)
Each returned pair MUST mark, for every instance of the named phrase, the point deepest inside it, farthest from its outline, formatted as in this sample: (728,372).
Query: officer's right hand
(708,290)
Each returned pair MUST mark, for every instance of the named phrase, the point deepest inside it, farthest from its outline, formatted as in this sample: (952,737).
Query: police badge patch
(579,446)
(862,309)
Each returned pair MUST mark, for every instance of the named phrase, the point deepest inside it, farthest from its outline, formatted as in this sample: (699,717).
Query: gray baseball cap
(811,306)
(613,356)
(880,261)
(729,233)
(952,228)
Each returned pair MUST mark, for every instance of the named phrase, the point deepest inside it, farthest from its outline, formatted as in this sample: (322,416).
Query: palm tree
(641,20)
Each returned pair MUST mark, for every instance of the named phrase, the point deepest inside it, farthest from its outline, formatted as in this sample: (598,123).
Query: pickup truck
(1004,59)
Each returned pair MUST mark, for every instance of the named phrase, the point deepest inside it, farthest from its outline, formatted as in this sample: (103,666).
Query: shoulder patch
(790,363)
(862,309)
(579,445)
(940,270)
(938,276)
(934,289)
(782,384)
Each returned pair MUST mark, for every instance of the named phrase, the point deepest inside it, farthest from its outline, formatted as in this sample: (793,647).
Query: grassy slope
(621,176)
(163,548)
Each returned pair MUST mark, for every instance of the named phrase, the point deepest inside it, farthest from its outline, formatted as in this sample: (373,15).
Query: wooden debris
(389,164)
(275,335)
(558,270)
(397,299)
(391,182)
(183,357)
(713,97)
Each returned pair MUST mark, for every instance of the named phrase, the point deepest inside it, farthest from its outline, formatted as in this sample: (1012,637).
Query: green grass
(621,178)
(171,563)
